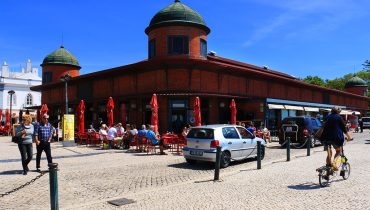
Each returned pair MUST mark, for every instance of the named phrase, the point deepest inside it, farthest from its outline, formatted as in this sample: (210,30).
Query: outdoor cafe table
(171,139)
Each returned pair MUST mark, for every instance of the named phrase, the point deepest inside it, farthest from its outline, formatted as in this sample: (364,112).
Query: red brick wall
(161,34)
(59,71)
(356,90)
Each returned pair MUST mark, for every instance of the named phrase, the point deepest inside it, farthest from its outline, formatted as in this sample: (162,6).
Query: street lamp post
(11,93)
(65,79)
(67,141)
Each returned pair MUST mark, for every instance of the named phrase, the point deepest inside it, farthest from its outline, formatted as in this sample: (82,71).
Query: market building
(178,69)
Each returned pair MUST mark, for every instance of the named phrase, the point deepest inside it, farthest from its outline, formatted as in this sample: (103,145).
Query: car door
(247,141)
(233,141)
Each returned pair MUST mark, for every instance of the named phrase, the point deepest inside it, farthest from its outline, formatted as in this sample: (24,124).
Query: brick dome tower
(356,85)
(177,31)
(57,64)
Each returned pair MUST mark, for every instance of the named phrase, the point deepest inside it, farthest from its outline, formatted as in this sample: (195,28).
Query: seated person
(103,132)
(127,137)
(112,133)
(251,128)
(120,130)
(91,129)
(154,139)
(184,132)
(266,135)
(141,133)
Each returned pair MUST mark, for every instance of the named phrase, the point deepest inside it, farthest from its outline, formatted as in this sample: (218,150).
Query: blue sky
(328,38)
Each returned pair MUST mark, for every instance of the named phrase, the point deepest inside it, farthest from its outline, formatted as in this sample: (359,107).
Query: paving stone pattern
(90,177)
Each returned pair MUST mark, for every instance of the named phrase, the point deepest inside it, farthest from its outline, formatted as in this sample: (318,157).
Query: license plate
(197,153)
(289,129)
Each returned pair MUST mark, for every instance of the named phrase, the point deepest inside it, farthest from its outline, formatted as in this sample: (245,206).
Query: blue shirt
(151,135)
(43,131)
(142,133)
(334,129)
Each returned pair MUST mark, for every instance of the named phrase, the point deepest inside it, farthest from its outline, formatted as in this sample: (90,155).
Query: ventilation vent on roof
(213,53)
(265,67)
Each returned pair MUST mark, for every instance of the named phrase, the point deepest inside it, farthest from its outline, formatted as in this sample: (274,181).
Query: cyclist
(332,135)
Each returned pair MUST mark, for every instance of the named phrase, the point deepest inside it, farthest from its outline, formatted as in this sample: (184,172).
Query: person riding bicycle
(332,135)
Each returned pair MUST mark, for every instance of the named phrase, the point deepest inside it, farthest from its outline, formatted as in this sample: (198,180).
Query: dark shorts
(160,142)
(328,145)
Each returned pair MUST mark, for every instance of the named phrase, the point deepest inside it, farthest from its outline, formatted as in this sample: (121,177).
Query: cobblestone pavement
(90,177)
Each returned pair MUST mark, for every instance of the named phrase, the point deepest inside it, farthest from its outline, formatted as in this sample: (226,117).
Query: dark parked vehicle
(307,127)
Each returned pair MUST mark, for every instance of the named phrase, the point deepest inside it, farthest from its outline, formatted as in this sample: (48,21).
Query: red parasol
(109,108)
(233,112)
(81,116)
(197,114)
(7,120)
(154,107)
(123,114)
(44,109)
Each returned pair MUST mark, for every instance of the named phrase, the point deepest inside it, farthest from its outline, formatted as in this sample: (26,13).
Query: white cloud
(312,17)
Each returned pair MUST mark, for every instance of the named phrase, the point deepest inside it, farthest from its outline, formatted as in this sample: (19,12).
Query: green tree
(366,65)
(337,83)
(315,80)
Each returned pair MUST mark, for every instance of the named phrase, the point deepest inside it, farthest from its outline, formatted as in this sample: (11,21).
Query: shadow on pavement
(305,186)
(197,166)
(11,172)
(58,157)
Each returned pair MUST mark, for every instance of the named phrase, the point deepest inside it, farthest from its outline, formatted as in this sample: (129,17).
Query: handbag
(17,139)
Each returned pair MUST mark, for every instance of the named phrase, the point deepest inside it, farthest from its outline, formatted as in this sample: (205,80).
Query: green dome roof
(355,81)
(61,56)
(177,14)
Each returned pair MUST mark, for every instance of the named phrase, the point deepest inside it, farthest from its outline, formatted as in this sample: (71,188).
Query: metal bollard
(259,149)
(218,163)
(288,149)
(308,146)
(53,179)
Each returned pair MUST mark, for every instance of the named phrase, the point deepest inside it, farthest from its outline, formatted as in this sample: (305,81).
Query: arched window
(29,100)
(14,100)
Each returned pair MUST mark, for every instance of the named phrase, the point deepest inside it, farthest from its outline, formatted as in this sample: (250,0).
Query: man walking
(43,135)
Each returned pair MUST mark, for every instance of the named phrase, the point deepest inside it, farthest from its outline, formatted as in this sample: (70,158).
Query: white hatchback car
(236,143)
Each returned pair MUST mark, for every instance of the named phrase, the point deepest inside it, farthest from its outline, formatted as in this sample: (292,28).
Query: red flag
(81,116)
(233,112)
(110,108)
(154,107)
(197,113)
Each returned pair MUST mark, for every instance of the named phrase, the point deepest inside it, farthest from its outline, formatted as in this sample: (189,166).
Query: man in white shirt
(112,133)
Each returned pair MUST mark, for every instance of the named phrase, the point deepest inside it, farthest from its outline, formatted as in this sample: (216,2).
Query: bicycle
(327,173)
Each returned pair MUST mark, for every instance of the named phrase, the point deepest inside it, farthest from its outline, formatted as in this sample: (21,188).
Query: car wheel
(225,159)
(191,161)
(313,142)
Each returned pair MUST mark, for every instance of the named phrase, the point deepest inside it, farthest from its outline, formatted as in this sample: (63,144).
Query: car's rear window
(201,133)
(366,119)
(294,120)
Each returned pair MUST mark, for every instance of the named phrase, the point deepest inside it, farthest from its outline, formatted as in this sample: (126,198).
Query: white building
(20,82)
